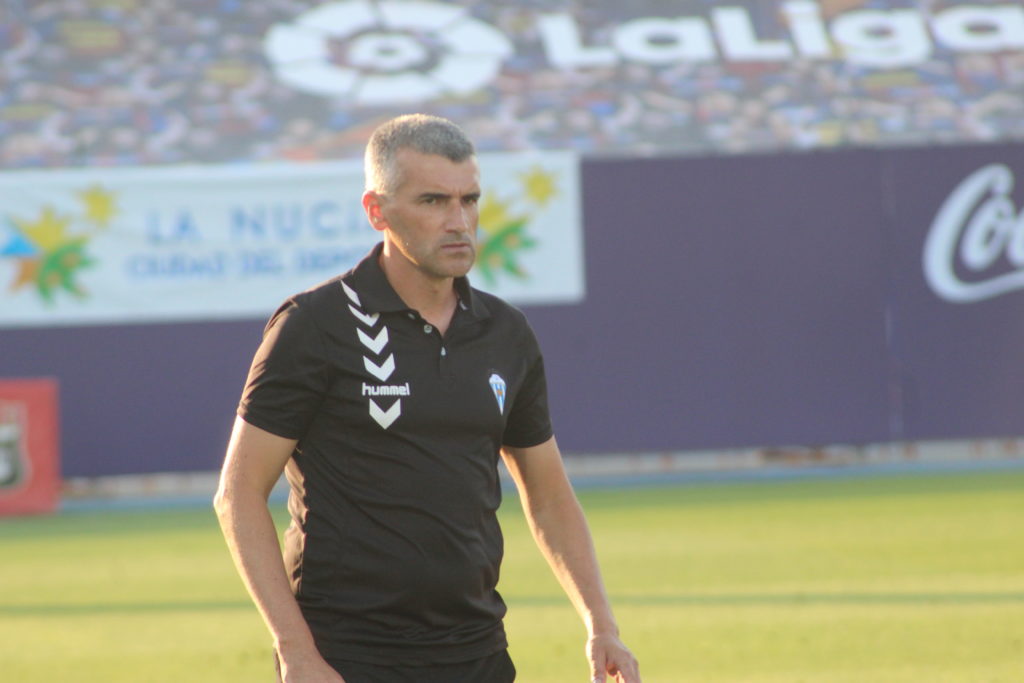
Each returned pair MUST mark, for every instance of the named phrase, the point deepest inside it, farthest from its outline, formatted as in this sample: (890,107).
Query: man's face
(431,216)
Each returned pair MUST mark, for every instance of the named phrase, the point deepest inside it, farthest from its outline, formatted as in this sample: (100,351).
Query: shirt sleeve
(289,375)
(529,422)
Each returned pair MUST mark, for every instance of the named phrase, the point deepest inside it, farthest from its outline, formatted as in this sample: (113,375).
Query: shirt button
(428,328)
(412,316)
(444,351)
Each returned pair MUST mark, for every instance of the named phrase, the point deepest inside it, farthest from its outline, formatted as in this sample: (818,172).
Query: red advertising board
(29,446)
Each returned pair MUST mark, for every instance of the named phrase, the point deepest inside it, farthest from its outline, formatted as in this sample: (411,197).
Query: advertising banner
(209,243)
(957,262)
(146,83)
(29,446)
(848,297)
(858,296)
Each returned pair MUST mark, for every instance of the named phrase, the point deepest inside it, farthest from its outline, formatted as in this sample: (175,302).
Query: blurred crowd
(141,82)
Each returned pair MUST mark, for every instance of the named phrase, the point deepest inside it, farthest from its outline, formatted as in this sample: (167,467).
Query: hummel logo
(385,417)
(368,320)
(387,390)
(375,344)
(351,294)
(378,345)
(382,371)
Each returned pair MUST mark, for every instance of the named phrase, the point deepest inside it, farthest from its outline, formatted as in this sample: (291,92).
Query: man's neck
(434,298)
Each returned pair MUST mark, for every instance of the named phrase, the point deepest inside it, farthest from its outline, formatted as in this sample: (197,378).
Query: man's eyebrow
(475,194)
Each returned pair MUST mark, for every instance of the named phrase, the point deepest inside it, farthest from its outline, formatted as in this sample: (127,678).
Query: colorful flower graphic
(49,252)
(504,227)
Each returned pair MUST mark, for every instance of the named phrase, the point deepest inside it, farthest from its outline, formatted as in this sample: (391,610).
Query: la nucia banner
(162,244)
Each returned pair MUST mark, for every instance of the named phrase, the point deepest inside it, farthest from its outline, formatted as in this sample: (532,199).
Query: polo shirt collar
(378,296)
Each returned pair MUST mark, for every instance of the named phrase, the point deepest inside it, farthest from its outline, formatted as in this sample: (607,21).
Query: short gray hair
(424,133)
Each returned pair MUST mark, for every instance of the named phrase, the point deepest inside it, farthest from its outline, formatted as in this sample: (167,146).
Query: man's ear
(372,207)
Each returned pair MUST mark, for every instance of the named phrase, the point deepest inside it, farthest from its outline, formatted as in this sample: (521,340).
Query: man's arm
(253,464)
(560,529)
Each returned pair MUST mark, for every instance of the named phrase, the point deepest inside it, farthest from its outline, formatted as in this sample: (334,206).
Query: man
(386,396)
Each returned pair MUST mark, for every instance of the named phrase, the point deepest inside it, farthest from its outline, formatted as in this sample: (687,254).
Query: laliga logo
(386,52)
(981,218)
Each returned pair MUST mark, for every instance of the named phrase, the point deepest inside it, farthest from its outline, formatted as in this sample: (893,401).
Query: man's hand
(610,657)
(310,669)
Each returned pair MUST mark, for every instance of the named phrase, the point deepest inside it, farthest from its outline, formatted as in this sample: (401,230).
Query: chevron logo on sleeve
(375,341)
(385,417)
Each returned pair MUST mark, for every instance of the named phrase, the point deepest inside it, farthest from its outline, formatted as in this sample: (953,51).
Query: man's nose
(461,218)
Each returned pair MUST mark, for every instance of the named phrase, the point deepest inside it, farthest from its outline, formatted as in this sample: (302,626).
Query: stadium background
(753,221)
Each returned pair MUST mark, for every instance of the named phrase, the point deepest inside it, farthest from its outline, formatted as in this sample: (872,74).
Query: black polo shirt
(394,546)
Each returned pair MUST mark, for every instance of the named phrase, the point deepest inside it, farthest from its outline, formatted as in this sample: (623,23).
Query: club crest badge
(498,387)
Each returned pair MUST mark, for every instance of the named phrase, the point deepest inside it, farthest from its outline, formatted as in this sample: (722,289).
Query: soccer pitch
(885,578)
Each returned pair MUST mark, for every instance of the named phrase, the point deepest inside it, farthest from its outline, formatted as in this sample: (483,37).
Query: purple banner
(844,297)
(732,302)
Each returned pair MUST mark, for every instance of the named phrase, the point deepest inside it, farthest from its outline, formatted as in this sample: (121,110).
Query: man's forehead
(429,172)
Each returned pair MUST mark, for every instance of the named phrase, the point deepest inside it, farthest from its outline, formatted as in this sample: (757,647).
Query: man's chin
(449,269)
(459,262)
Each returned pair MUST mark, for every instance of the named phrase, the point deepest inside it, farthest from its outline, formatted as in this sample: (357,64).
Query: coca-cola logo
(975,247)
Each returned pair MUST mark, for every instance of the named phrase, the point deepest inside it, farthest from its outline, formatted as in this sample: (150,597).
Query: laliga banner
(194,243)
(228,82)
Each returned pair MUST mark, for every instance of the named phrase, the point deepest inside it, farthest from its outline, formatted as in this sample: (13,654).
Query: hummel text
(387,390)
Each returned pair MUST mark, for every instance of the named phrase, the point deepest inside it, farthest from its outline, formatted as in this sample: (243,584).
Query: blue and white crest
(498,387)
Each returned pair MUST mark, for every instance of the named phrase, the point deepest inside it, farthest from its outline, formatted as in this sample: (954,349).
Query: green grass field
(899,578)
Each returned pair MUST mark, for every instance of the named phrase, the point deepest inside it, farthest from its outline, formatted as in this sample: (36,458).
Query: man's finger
(597,666)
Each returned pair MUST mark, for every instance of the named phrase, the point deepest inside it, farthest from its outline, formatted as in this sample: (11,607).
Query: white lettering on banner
(874,38)
(980,29)
(565,46)
(739,38)
(664,41)
(883,39)
(980,218)
(809,32)
(402,52)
